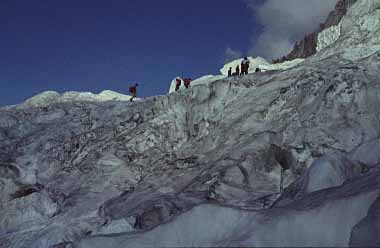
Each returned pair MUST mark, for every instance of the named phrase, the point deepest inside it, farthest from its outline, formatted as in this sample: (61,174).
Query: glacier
(285,157)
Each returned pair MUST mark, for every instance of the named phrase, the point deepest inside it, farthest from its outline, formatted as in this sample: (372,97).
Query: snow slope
(261,63)
(254,63)
(49,97)
(257,62)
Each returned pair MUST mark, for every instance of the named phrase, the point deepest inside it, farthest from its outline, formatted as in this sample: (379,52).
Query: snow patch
(42,99)
(328,37)
(106,95)
(48,97)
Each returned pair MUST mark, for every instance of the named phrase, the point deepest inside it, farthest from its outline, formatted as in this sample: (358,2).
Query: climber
(245,66)
(237,71)
(187,82)
(133,90)
(178,83)
(230,72)
(242,68)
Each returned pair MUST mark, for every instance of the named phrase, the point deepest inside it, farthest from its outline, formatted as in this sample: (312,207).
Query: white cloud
(230,54)
(285,21)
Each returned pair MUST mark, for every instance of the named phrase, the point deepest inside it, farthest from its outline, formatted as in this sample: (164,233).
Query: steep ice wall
(359,32)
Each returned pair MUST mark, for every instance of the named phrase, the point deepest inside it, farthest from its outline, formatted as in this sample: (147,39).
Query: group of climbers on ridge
(178,81)
(242,69)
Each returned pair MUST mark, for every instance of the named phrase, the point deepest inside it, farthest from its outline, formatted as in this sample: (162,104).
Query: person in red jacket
(187,82)
(133,91)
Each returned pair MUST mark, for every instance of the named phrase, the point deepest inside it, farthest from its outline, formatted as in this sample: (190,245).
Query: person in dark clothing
(178,83)
(245,66)
(230,72)
(237,71)
(242,68)
(133,91)
(187,82)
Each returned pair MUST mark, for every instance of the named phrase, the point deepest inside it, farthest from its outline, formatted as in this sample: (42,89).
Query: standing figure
(245,65)
(230,72)
(242,68)
(133,91)
(237,70)
(187,82)
(178,83)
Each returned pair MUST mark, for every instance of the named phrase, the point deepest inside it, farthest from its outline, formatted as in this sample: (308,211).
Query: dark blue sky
(92,45)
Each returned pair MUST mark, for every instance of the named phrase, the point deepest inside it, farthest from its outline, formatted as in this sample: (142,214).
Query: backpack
(132,89)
